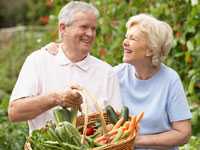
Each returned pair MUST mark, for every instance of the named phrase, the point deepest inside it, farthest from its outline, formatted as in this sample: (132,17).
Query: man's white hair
(66,14)
(159,34)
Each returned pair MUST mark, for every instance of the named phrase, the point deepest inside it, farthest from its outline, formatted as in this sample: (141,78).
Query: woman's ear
(149,52)
(62,27)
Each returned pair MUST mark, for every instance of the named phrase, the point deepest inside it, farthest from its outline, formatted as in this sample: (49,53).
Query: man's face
(80,35)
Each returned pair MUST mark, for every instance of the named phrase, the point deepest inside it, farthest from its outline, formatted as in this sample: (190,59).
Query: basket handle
(98,108)
(85,93)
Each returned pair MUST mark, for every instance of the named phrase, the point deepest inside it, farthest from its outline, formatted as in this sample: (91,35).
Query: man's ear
(149,52)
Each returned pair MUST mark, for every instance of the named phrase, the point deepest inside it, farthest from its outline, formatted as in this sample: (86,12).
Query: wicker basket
(125,145)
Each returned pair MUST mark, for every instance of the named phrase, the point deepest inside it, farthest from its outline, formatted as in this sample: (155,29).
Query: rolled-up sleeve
(178,108)
(26,84)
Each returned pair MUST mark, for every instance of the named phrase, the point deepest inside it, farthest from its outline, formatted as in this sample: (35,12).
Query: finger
(75,86)
(71,99)
(80,108)
(71,102)
(76,96)
(53,48)
(72,96)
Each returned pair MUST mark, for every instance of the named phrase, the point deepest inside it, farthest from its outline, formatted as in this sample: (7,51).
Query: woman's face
(135,46)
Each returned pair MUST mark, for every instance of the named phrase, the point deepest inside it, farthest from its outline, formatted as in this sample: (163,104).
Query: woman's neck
(145,72)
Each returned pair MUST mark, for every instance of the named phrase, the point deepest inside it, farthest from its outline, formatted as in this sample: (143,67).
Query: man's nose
(89,32)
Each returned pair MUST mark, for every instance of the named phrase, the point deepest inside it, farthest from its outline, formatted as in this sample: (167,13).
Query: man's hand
(52,48)
(70,98)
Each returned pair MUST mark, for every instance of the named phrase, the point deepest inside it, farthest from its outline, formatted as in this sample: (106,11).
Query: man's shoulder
(38,55)
(99,63)
(34,54)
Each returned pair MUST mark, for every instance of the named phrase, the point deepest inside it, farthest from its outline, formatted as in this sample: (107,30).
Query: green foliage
(12,136)
(184,56)
(193,144)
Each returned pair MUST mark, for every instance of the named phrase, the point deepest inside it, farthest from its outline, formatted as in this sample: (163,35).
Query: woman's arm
(178,135)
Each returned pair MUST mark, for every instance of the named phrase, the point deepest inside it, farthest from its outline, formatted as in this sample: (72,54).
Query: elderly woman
(150,86)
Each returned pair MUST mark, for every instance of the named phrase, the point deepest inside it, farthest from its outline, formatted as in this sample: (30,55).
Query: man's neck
(73,55)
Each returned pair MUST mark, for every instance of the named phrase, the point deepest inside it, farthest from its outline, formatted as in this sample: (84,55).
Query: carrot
(132,135)
(139,117)
(112,137)
(118,136)
(132,123)
(103,141)
(101,138)
(119,123)
(131,128)
(126,124)
(112,132)
(136,120)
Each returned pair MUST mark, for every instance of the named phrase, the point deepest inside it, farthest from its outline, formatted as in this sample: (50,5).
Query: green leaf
(191,86)
(190,46)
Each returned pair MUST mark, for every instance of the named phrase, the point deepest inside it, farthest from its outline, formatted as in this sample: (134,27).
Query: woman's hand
(52,48)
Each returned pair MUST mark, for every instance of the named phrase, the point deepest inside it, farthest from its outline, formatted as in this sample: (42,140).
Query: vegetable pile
(64,135)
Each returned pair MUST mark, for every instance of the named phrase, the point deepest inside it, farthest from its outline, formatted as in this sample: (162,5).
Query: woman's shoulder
(122,69)
(169,72)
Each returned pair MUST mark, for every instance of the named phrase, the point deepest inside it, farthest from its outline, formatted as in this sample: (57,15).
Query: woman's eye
(133,39)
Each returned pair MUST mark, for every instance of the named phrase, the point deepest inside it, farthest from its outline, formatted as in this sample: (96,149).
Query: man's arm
(24,109)
(178,135)
(28,108)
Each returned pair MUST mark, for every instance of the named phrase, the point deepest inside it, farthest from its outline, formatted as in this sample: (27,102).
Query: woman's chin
(126,60)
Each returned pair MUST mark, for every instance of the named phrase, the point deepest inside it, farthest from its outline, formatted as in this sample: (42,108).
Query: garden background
(33,24)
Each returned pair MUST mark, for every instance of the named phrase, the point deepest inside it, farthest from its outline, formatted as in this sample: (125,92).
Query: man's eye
(84,27)
(93,28)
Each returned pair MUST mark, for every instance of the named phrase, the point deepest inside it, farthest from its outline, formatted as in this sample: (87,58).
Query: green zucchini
(112,116)
(73,116)
(61,115)
(125,113)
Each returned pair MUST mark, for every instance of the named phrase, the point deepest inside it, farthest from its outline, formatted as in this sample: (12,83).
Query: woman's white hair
(159,35)
(66,14)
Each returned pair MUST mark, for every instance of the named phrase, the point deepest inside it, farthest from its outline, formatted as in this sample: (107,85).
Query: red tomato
(90,131)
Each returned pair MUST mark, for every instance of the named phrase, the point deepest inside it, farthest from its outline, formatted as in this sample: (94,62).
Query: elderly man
(44,79)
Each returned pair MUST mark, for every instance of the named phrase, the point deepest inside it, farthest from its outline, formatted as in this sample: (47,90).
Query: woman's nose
(125,43)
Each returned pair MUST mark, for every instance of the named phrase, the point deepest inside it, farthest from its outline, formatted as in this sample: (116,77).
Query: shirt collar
(63,61)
